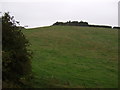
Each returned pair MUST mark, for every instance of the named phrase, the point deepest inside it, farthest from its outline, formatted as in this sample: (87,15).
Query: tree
(15,54)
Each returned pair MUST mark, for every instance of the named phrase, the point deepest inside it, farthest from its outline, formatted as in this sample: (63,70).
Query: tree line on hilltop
(81,23)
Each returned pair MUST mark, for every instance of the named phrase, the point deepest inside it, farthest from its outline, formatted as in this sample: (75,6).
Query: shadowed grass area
(71,56)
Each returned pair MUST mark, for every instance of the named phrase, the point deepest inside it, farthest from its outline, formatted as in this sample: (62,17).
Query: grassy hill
(71,56)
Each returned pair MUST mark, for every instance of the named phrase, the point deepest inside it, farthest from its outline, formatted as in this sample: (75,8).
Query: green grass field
(74,57)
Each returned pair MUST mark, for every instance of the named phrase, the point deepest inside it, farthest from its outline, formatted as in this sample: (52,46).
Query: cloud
(46,12)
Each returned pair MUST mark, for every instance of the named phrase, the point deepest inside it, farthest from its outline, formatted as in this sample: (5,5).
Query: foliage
(116,27)
(81,23)
(15,54)
(100,26)
(73,23)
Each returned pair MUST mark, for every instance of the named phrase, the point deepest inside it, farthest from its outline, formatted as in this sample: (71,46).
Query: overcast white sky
(37,13)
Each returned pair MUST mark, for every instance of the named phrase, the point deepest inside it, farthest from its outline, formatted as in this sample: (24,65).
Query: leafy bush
(15,54)
(81,23)
(116,27)
(73,23)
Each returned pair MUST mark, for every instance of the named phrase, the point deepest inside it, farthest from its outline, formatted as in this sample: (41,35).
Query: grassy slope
(69,56)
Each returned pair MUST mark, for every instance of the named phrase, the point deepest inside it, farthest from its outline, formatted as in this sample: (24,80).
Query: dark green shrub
(15,54)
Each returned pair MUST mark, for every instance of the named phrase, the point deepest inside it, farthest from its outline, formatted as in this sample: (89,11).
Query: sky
(38,13)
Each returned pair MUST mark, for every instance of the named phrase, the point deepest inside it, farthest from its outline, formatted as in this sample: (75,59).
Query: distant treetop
(81,23)
(72,23)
